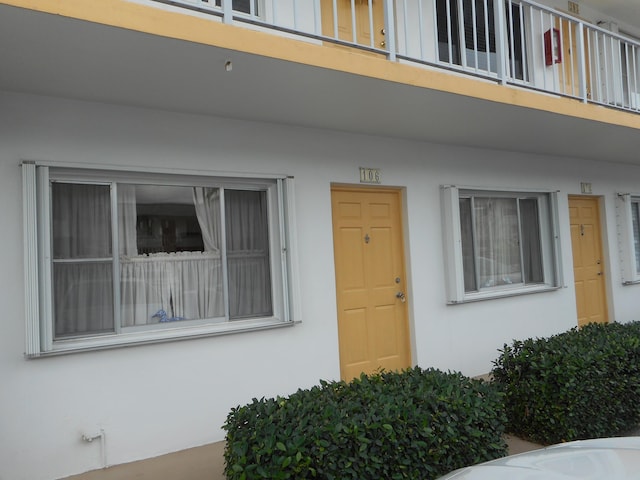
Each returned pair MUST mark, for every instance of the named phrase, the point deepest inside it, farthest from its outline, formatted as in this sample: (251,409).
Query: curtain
(81,221)
(497,241)
(468,257)
(531,244)
(128,216)
(165,287)
(82,270)
(247,235)
(635,215)
(207,204)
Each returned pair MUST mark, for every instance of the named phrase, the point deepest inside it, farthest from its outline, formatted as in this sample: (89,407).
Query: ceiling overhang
(54,55)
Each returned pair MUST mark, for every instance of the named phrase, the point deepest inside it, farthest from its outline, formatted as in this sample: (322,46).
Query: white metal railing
(517,42)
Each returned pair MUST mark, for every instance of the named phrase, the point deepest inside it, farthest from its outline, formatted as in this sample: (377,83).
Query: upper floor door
(354,21)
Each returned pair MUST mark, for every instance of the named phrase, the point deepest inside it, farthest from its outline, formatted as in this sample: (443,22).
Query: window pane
(83,298)
(635,213)
(81,221)
(466,231)
(170,263)
(82,288)
(497,242)
(238,5)
(531,244)
(248,254)
(478,32)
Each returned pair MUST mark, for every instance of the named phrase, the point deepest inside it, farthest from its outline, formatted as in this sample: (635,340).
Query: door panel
(369,259)
(364,12)
(588,262)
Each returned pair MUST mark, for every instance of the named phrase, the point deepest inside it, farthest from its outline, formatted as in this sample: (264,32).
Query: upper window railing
(508,41)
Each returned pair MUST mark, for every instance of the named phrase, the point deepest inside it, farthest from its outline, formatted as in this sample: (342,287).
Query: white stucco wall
(155,399)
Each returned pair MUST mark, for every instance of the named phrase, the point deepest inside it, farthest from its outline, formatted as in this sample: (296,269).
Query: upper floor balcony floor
(551,77)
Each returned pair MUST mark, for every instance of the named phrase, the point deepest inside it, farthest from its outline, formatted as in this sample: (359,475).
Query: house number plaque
(370,175)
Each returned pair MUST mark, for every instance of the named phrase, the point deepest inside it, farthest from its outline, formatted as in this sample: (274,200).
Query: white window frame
(452,242)
(626,240)
(38,289)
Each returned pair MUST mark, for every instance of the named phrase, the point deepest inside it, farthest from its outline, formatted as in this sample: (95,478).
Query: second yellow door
(588,263)
(370,278)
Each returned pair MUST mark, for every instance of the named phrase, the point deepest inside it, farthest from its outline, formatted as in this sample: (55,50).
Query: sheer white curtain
(497,244)
(172,286)
(82,268)
(128,216)
(635,214)
(207,204)
(247,233)
(185,286)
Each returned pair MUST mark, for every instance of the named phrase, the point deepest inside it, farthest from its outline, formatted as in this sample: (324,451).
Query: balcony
(516,76)
(520,43)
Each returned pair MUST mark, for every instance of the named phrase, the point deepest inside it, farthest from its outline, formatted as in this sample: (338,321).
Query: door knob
(401,296)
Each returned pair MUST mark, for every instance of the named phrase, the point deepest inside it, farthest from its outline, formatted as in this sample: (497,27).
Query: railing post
(227,11)
(582,64)
(390,29)
(502,56)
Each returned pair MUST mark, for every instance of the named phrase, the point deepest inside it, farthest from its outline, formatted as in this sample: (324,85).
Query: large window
(628,218)
(498,243)
(467,35)
(128,258)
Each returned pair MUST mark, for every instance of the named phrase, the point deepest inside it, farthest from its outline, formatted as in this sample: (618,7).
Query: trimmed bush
(580,384)
(413,424)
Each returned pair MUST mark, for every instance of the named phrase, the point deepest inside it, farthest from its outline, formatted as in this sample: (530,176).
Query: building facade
(211,201)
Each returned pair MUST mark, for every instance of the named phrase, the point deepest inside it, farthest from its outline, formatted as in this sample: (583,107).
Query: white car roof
(598,459)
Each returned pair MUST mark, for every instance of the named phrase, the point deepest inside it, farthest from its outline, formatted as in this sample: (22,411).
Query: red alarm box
(552,47)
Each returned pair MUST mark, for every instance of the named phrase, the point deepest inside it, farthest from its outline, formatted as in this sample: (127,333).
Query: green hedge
(580,384)
(413,424)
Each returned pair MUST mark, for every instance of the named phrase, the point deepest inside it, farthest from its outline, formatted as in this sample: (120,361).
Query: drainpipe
(103,444)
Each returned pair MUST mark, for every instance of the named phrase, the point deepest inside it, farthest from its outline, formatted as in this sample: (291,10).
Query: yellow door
(370,278)
(365,13)
(569,73)
(588,267)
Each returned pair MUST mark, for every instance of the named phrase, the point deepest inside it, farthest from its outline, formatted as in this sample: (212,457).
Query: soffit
(53,55)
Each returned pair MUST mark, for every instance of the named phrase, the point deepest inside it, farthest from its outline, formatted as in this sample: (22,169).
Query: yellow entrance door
(588,268)
(570,73)
(361,14)
(370,278)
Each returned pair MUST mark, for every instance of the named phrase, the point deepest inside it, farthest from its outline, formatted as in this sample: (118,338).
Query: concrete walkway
(207,463)
(204,463)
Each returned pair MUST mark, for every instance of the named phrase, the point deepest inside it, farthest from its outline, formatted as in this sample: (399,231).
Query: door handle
(401,296)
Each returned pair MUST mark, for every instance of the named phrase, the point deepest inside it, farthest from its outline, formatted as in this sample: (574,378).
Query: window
(498,243)
(628,217)
(145,257)
(241,6)
(471,42)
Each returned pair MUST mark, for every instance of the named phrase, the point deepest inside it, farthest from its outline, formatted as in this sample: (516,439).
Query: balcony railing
(510,42)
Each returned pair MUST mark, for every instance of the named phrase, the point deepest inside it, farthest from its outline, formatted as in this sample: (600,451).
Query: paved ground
(206,463)
(517,445)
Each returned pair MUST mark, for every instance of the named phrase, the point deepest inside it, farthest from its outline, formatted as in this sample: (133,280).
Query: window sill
(109,341)
(480,296)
